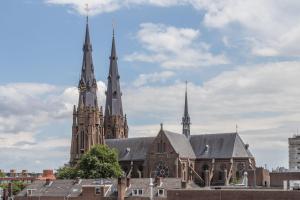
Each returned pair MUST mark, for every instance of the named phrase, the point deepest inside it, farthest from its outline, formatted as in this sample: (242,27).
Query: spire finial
(236,128)
(186,82)
(87,12)
(161,126)
(113,27)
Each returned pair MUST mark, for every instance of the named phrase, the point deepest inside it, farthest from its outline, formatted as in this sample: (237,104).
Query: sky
(240,58)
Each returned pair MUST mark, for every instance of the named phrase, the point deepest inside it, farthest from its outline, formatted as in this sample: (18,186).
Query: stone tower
(115,123)
(186,121)
(87,129)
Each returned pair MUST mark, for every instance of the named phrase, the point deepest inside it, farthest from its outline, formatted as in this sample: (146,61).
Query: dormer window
(137,192)
(160,192)
(29,192)
(97,190)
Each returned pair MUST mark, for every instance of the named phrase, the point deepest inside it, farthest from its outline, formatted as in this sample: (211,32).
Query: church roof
(224,145)
(180,144)
(131,148)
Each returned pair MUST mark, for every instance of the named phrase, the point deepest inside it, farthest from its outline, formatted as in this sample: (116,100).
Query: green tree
(2,174)
(99,162)
(67,173)
(17,186)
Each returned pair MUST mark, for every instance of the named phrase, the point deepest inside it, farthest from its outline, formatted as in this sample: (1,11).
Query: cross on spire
(87,9)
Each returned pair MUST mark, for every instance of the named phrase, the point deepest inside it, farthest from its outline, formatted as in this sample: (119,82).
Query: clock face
(162,170)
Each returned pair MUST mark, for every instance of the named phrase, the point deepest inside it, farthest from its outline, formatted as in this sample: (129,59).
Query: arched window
(82,140)
(220,176)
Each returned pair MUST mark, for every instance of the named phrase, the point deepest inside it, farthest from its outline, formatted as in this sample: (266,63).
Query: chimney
(158,181)
(121,188)
(5,194)
(77,181)
(48,181)
(183,184)
(12,173)
(24,173)
(128,182)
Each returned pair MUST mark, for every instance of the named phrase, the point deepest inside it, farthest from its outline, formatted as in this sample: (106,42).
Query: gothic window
(223,167)
(205,167)
(164,147)
(162,170)
(220,176)
(77,144)
(158,150)
(82,140)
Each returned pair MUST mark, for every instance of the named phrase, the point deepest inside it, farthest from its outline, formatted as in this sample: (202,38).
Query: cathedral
(216,159)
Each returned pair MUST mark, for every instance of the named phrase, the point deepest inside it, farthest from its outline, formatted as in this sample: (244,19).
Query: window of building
(81,140)
(161,192)
(164,147)
(137,192)
(97,190)
(220,177)
(29,192)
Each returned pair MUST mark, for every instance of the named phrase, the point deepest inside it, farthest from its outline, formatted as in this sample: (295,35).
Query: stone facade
(173,155)
(90,126)
(87,128)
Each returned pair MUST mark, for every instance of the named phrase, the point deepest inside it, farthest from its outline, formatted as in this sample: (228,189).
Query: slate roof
(224,145)
(180,144)
(167,184)
(64,188)
(67,188)
(131,148)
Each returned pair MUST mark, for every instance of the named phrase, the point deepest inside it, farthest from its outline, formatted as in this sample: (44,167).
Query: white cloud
(270,28)
(174,48)
(30,118)
(161,77)
(95,6)
(261,99)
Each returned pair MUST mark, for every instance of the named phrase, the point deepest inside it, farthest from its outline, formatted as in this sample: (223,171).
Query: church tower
(115,123)
(87,129)
(186,117)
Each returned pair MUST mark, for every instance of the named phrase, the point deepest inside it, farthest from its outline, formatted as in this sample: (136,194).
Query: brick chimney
(48,181)
(128,182)
(24,173)
(12,173)
(158,181)
(183,184)
(121,188)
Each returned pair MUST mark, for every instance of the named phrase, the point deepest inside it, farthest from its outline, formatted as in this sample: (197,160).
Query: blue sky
(241,59)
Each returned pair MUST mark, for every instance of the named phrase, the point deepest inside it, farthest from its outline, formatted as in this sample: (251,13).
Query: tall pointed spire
(87,84)
(115,124)
(113,94)
(186,117)
(87,128)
